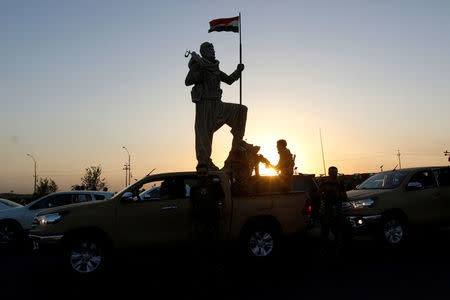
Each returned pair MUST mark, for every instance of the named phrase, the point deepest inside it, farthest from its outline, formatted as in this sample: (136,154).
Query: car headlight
(49,218)
(362,203)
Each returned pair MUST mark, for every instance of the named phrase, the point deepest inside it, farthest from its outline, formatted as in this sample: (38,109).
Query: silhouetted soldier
(332,195)
(210,112)
(285,165)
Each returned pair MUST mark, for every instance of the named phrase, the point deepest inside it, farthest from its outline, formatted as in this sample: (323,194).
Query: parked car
(87,232)
(390,203)
(7,204)
(16,221)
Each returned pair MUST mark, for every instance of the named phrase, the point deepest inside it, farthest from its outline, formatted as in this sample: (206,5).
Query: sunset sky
(81,79)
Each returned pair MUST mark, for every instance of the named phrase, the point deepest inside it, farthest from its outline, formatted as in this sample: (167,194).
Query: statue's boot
(212,167)
(240,144)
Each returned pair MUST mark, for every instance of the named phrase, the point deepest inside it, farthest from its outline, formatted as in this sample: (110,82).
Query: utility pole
(446,153)
(399,161)
(35,174)
(127,168)
(323,157)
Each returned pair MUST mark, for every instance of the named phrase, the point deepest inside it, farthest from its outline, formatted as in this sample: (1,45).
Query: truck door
(443,176)
(155,220)
(423,201)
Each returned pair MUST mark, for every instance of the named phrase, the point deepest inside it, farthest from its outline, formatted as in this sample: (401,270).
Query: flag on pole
(226,24)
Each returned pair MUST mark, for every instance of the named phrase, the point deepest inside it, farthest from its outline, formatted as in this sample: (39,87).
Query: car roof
(81,192)
(413,169)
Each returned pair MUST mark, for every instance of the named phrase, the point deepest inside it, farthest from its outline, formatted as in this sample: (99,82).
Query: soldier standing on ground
(332,193)
(210,112)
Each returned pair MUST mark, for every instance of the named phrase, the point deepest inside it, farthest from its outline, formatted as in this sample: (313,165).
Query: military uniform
(333,194)
(210,112)
(286,168)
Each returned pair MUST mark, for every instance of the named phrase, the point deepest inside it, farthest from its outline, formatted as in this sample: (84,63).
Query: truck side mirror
(127,197)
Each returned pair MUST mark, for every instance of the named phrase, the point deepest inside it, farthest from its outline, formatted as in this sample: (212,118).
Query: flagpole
(240,59)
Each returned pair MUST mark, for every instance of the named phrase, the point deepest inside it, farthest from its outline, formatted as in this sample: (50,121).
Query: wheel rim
(6,234)
(393,231)
(261,243)
(87,258)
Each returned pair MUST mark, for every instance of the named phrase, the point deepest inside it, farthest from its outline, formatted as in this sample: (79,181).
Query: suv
(87,232)
(15,222)
(389,203)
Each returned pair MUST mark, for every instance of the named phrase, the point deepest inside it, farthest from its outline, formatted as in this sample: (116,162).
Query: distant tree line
(92,180)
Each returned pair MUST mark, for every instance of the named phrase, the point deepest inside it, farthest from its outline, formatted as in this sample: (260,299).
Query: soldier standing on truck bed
(332,193)
(285,165)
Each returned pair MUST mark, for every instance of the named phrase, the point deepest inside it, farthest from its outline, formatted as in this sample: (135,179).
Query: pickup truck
(88,232)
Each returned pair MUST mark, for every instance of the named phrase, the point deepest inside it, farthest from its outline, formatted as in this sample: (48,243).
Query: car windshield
(10,203)
(385,180)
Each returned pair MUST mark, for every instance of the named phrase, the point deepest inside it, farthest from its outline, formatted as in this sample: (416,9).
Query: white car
(151,194)
(7,204)
(16,221)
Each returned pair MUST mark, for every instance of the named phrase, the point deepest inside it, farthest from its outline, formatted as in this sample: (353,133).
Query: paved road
(420,269)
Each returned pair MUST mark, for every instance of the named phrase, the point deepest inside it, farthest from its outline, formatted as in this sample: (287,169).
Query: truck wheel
(393,230)
(85,256)
(10,235)
(262,241)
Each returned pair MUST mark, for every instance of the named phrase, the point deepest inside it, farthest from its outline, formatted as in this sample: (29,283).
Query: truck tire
(393,230)
(85,256)
(261,241)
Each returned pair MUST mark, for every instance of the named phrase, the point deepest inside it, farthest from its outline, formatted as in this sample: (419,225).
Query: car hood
(364,194)
(71,207)
(5,213)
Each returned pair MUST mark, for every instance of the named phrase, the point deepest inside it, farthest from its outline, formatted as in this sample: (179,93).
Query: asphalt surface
(367,269)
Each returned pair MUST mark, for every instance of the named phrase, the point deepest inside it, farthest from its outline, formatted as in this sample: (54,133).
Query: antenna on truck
(151,171)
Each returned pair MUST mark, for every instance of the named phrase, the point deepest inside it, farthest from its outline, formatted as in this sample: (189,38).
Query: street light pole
(35,175)
(129,166)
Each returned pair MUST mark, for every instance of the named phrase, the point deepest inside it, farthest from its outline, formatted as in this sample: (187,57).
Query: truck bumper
(362,225)
(46,241)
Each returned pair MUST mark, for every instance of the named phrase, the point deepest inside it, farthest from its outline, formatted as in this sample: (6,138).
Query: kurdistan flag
(226,24)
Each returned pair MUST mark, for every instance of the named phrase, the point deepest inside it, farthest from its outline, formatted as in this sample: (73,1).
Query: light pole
(35,175)
(129,166)
(323,157)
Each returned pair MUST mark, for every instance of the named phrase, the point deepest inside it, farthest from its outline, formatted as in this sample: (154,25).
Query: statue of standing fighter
(210,112)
